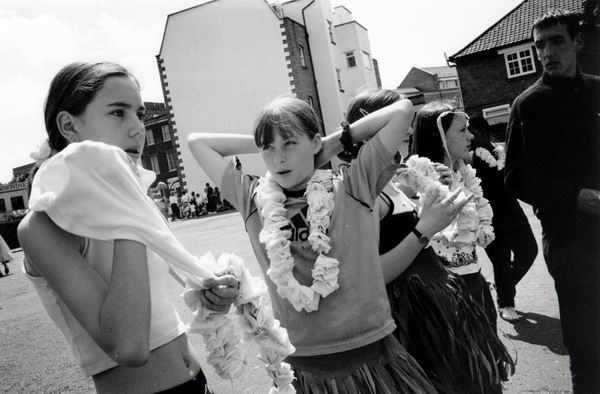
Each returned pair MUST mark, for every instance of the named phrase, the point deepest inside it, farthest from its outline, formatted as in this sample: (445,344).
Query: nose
(137,128)
(470,135)
(279,156)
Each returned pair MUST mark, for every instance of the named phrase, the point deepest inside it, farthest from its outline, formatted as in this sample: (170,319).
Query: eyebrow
(124,105)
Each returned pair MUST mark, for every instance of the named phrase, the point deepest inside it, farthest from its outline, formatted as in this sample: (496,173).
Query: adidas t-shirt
(358,313)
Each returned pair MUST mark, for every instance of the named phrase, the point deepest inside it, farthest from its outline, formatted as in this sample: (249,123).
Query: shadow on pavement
(541,330)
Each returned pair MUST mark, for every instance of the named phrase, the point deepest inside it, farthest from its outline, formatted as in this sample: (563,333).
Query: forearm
(210,150)
(397,260)
(223,143)
(124,321)
(396,117)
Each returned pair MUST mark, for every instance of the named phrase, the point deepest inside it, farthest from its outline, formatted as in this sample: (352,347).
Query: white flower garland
(270,200)
(473,225)
(497,159)
(224,335)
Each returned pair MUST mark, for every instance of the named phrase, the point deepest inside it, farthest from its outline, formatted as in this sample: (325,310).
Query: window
(310,101)
(301,55)
(350,59)
(154,163)
(339,79)
(166,134)
(495,115)
(518,60)
(2,205)
(149,137)
(330,27)
(172,161)
(448,84)
(367,59)
(17,203)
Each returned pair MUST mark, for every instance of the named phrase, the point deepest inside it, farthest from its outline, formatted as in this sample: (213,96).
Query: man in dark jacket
(553,163)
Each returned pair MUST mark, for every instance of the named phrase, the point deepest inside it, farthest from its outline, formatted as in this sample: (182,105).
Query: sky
(38,37)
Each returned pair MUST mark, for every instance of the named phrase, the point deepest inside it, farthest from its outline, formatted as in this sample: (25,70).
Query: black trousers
(517,239)
(574,264)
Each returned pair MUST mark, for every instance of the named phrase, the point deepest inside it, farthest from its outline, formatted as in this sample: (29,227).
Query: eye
(141,115)
(118,113)
(290,142)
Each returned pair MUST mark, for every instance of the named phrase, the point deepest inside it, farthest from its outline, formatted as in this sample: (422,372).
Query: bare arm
(210,150)
(436,215)
(115,314)
(391,123)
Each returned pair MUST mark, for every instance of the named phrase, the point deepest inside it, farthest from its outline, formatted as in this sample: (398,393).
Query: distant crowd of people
(187,206)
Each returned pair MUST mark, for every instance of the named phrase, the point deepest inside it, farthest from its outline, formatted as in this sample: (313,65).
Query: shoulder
(530,93)
(37,231)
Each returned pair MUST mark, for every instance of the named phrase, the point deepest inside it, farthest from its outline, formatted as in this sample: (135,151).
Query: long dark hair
(72,89)
(427,141)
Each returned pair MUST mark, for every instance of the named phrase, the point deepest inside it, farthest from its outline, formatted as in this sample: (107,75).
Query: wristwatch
(423,239)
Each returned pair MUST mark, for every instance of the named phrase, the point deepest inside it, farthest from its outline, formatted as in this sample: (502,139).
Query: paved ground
(34,357)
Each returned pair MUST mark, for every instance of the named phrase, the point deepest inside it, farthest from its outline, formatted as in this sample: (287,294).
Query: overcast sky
(38,37)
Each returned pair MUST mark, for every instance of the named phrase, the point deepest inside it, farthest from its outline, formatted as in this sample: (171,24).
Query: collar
(563,82)
(294,193)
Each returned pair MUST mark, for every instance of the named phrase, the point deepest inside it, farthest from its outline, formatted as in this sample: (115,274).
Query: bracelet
(346,137)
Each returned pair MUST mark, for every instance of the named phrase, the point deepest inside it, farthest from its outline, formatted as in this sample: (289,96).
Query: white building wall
(224,60)
(324,56)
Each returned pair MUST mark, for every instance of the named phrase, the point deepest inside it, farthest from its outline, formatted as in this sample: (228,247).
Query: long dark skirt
(446,331)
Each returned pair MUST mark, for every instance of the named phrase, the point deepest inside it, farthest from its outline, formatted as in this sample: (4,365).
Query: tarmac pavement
(35,358)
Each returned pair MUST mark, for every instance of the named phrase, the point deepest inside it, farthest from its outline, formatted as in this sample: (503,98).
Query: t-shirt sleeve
(237,188)
(373,168)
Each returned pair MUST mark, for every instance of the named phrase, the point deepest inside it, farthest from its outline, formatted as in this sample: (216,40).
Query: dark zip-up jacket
(553,150)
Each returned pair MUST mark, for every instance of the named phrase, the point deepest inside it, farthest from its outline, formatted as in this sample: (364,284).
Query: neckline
(294,193)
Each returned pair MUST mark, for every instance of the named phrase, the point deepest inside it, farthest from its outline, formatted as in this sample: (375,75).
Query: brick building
(220,62)
(426,84)
(161,147)
(501,62)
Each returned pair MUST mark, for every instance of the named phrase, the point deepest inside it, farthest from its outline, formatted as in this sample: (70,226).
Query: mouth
(552,64)
(135,152)
(283,172)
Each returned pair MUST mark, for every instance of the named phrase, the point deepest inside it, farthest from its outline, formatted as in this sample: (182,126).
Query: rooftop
(515,27)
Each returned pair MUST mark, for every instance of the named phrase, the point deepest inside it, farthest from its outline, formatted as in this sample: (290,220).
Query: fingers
(458,206)
(224,280)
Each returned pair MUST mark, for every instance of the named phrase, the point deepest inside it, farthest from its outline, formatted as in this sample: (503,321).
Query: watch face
(423,239)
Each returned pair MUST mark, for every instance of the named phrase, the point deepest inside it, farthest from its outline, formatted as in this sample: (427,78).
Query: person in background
(553,163)
(514,249)
(6,256)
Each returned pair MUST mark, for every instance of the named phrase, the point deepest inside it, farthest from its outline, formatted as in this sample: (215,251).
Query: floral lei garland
(497,159)
(319,195)
(473,225)
(224,335)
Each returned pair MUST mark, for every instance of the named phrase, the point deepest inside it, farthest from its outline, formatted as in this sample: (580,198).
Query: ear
(317,143)
(66,126)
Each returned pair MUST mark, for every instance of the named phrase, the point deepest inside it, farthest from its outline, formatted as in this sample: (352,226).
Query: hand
(438,212)
(221,293)
(589,201)
(446,175)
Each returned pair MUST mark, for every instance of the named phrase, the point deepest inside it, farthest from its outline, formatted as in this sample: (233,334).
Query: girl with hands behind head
(312,234)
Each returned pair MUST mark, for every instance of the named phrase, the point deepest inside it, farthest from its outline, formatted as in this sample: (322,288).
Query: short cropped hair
(558,16)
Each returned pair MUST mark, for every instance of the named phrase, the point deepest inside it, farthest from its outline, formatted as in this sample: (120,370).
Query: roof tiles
(515,26)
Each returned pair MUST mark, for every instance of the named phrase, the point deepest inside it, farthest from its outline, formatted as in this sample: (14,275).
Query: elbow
(131,355)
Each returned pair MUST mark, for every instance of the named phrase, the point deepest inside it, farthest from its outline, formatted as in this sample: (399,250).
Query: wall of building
(484,82)
(221,63)
(351,36)
(304,84)
(324,58)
